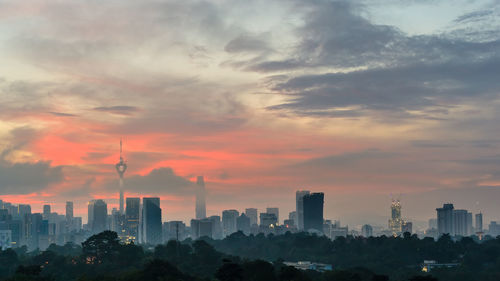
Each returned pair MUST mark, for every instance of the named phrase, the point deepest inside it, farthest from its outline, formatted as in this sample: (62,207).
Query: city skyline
(356,99)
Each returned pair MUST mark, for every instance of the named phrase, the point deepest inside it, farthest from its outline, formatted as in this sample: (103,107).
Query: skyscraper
(69,211)
(229,221)
(46,210)
(366,230)
(121,167)
(151,220)
(252,214)
(201,228)
(268,220)
(395,222)
(275,211)
(201,210)
(479,222)
(98,216)
(132,217)
(445,220)
(299,195)
(243,224)
(460,223)
(216,227)
(313,211)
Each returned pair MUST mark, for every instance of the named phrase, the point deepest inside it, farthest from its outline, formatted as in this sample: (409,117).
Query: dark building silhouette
(132,217)
(98,216)
(151,221)
(313,211)
(243,224)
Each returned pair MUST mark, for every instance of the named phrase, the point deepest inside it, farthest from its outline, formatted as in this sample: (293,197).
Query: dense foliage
(256,258)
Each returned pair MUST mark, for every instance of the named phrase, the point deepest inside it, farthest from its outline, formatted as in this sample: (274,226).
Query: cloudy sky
(360,99)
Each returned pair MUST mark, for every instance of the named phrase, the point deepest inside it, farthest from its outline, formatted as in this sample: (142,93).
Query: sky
(364,100)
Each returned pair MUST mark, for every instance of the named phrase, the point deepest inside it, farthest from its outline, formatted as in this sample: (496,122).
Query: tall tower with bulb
(121,167)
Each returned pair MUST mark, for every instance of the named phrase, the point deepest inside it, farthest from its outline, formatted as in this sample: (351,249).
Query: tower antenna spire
(120,147)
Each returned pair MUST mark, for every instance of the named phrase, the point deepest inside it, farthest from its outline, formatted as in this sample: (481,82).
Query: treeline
(254,258)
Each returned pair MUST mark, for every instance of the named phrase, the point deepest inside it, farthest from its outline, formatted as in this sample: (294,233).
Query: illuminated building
(395,222)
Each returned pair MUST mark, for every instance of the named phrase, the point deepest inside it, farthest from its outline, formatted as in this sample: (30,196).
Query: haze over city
(364,100)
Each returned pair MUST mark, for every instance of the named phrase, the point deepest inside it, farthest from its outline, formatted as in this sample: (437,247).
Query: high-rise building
(216,227)
(69,211)
(292,216)
(252,214)
(243,224)
(395,222)
(299,195)
(201,209)
(98,216)
(366,230)
(229,221)
(494,229)
(445,220)
(479,222)
(268,220)
(121,167)
(46,210)
(313,211)
(407,226)
(151,221)
(275,211)
(201,228)
(174,230)
(460,227)
(132,218)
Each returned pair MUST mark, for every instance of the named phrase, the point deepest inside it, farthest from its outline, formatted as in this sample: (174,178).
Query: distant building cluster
(139,220)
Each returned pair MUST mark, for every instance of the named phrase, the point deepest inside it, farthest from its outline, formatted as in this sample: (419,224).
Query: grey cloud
(25,178)
(345,159)
(62,114)
(118,109)
(159,181)
(247,43)
(435,88)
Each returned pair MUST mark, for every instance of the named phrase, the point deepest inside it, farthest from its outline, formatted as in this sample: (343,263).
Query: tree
(101,247)
(229,271)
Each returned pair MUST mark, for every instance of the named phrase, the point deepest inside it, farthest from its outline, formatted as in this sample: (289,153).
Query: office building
(151,221)
(275,211)
(395,222)
(201,228)
(46,211)
(268,220)
(367,231)
(69,211)
(479,222)
(174,230)
(201,210)
(132,213)
(299,195)
(494,229)
(98,216)
(445,220)
(313,211)
(252,214)
(216,227)
(243,224)
(407,226)
(229,222)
